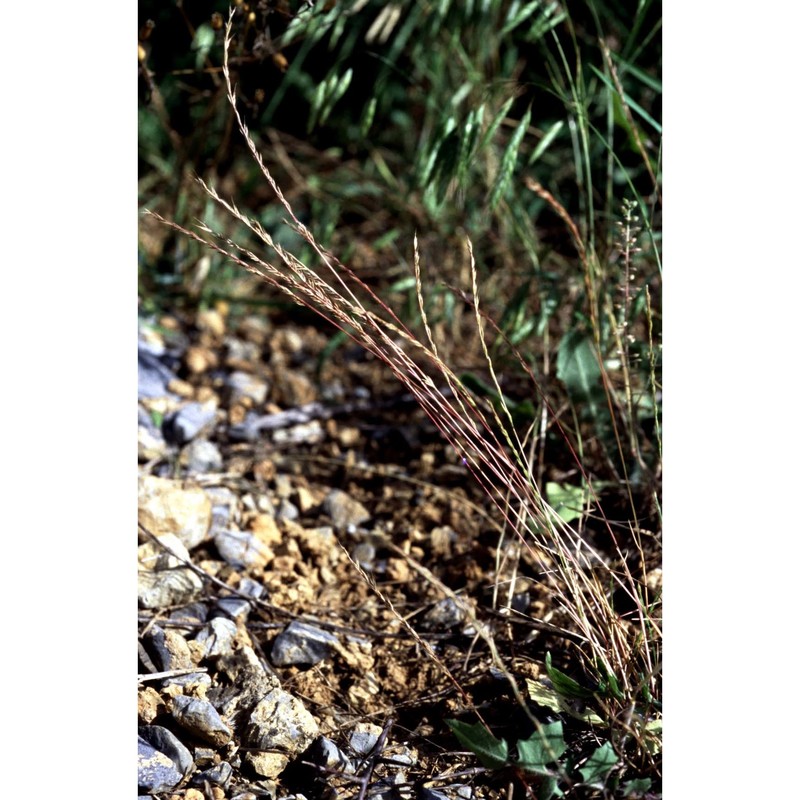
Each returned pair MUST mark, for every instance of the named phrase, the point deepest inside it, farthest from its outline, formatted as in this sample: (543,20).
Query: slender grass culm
(619,650)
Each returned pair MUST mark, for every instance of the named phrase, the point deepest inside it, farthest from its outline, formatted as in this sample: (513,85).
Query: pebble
(326,754)
(187,423)
(301,644)
(211,320)
(281,722)
(287,510)
(168,649)
(305,433)
(201,457)
(191,616)
(245,680)
(234,607)
(255,328)
(201,719)
(217,637)
(151,442)
(168,743)
(269,765)
(243,549)
(346,513)
(364,737)
(243,384)
(364,555)
(163,580)
(154,375)
(223,501)
(447,613)
(157,772)
(252,588)
(168,507)
(218,775)
(241,354)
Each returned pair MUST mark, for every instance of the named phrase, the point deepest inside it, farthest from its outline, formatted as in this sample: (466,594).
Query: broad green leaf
(576,364)
(599,764)
(653,736)
(491,751)
(545,747)
(566,500)
(549,698)
(548,788)
(636,787)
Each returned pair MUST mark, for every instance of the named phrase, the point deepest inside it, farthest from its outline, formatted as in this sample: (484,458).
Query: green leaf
(599,764)
(157,417)
(563,684)
(491,751)
(577,365)
(636,787)
(545,747)
(549,788)
(550,698)
(566,500)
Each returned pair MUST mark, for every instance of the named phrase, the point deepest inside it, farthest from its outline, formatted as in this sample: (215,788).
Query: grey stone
(150,439)
(305,433)
(302,644)
(245,681)
(403,755)
(445,614)
(223,501)
(217,637)
(243,384)
(202,457)
(157,772)
(252,588)
(154,376)
(191,616)
(281,722)
(288,510)
(346,514)
(325,753)
(168,743)
(219,775)
(242,549)
(363,738)
(386,788)
(205,757)
(163,579)
(234,607)
(187,423)
(168,649)
(364,555)
(201,719)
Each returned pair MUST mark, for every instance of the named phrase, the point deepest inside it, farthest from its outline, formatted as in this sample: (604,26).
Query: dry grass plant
(622,653)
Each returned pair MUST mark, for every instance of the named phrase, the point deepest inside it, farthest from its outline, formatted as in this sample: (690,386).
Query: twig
(172,673)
